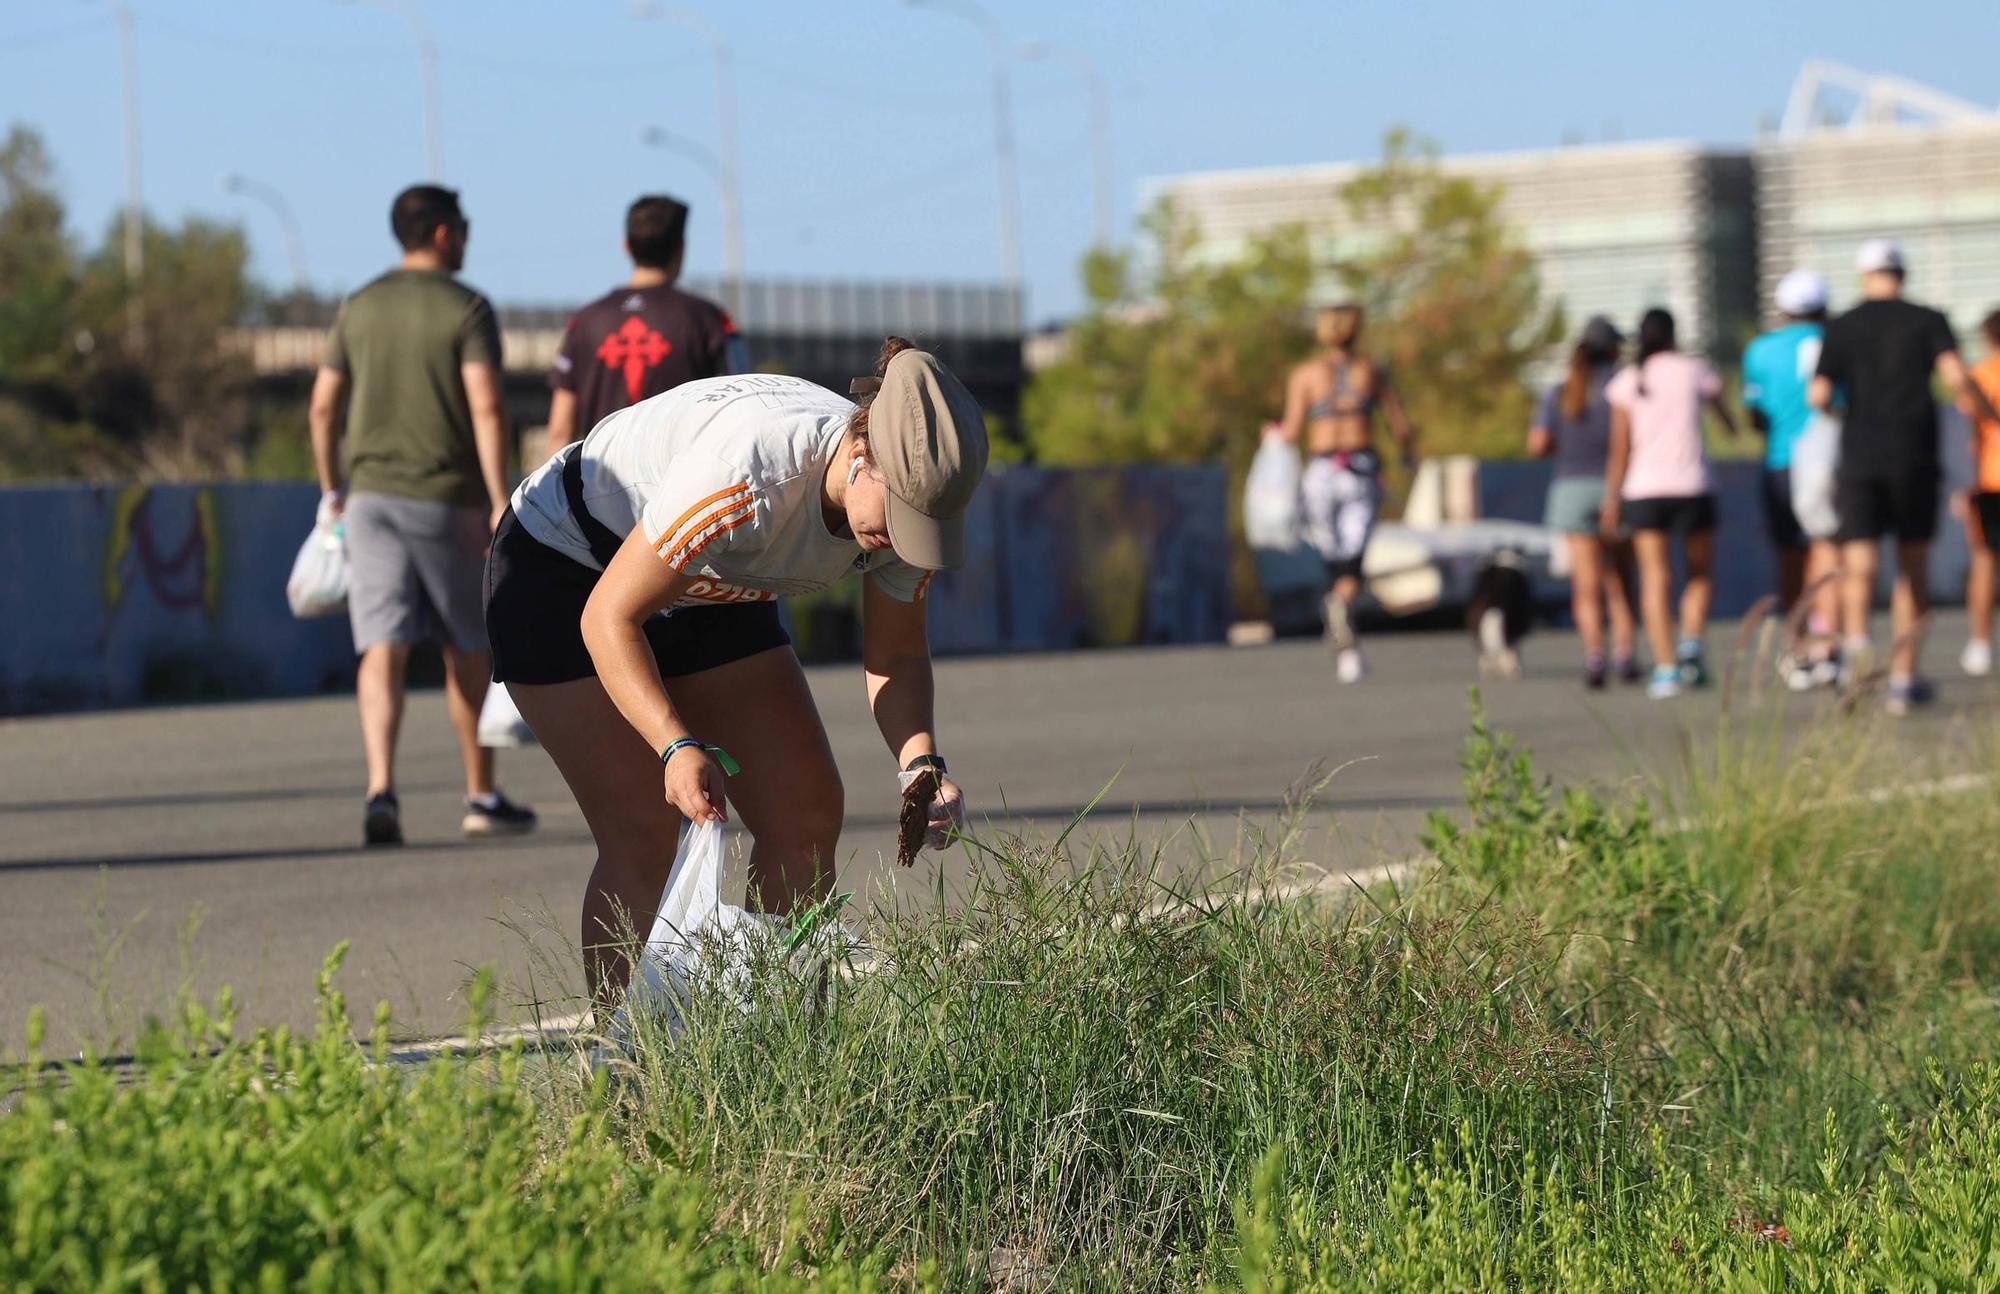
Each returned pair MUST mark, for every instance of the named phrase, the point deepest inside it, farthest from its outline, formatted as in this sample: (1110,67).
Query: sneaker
(1349,667)
(1905,694)
(1665,684)
(500,817)
(1339,623)
(1977,658)
(1826,671)
(1627,669)
(1594,674)
(1693,672)
(382,823)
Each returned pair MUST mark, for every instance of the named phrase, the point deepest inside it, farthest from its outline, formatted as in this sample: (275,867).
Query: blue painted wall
(114,595)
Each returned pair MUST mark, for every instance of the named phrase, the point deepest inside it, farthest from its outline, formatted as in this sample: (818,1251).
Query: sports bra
(1343,400)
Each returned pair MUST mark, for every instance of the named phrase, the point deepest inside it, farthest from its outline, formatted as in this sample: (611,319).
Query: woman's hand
(1610,522)
(696,787)
(945,814)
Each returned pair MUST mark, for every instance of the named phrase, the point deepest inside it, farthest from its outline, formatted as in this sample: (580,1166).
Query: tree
(76,398)
(181,400)
(37,265)
(1181,367)
(1453,299)
(1184,365)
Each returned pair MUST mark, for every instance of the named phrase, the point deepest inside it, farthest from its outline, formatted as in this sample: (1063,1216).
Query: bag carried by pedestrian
(318,583)
(1271,508)
(501,726)
(1815,460)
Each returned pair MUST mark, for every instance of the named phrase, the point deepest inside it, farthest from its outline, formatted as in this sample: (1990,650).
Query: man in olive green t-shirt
(415,358)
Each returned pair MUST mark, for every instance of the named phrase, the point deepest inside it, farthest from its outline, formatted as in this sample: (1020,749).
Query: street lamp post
(1003,129)
(295,243)
(661,137)
(728,179)
(413,16)
(1100,127)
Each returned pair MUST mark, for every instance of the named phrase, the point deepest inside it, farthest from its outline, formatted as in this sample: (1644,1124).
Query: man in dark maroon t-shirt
(640,339)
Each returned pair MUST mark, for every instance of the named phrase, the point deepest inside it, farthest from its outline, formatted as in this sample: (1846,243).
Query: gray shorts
(416,569)
(1573,504)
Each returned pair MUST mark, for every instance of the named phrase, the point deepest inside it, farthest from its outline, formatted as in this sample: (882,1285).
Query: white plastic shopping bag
(697,944)
(700,944)
(1271,512)
(501,726)
(1815,459)
(318,583)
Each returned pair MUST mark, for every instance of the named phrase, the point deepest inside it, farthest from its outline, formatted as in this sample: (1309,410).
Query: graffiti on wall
(165,543)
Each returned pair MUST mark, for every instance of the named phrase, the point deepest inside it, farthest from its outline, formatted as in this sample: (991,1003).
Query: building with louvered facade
(1615,228)
(1933,188)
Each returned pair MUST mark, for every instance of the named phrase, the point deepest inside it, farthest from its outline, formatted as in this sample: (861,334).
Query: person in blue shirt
(1778,369)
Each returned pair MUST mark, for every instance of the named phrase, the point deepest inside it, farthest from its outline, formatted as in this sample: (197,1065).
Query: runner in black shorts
(1880,357)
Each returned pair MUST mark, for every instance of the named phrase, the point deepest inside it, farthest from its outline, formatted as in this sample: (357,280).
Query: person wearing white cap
(632,604)
(1878,360)
(1778,368)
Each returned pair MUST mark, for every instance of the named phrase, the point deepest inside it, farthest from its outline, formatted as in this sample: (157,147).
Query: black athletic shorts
(1872,507)
(1780,522)
(534,618)
(1689,514)
(1987,506)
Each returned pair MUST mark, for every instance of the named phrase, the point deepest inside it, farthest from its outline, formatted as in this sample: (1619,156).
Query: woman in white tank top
(631,601)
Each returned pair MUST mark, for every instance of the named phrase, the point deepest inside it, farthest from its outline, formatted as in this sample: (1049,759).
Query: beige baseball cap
(928,438)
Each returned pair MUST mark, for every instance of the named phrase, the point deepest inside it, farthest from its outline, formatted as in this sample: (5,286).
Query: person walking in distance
(1981,512)
(1573,427)
(1330,403)
(1778,367)
(414,359)
(1879,358)
(642,338)
(1657,482)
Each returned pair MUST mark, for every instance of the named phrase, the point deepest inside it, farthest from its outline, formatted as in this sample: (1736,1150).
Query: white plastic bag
(698,943)
(318,583)
(501,726)
(1271,514)
(1815,459)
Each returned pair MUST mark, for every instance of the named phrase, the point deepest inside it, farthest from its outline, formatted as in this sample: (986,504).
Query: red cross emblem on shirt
(634,348)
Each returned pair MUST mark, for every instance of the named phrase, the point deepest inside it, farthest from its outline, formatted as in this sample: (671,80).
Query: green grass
(1738,1034)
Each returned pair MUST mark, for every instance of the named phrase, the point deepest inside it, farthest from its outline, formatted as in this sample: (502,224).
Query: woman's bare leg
(1699,549)
(788,796)
(1586,592)
(1656,593)
(620,788)
(1615,576)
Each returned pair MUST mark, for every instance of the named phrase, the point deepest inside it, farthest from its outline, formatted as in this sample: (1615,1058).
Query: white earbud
(854,468)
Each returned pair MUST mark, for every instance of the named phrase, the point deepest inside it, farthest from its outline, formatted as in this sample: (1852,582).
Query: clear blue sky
(866,125)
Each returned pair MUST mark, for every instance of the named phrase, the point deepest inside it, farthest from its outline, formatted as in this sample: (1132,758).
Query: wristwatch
(934,762)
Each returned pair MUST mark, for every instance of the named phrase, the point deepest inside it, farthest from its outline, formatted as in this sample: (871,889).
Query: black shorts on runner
(534,618)
(1987,506)
(1872,507)
(1690,514)
(1780,522)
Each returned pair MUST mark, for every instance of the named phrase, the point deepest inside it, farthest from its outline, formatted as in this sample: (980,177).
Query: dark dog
(1499,615)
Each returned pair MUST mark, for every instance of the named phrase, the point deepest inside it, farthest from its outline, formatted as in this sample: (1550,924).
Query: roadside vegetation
(1735,1034)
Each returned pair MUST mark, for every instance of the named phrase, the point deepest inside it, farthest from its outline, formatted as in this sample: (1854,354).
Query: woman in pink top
(1656,483)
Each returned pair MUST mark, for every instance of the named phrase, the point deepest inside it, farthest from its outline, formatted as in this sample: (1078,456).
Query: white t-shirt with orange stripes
(724,474)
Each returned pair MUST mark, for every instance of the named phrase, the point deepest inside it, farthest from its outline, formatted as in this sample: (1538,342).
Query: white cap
(1879,255)
(1801,292)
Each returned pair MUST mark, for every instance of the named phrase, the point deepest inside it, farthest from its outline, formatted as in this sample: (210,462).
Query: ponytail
(863,389)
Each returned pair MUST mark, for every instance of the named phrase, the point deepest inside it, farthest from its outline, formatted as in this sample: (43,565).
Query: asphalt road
(213,845)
